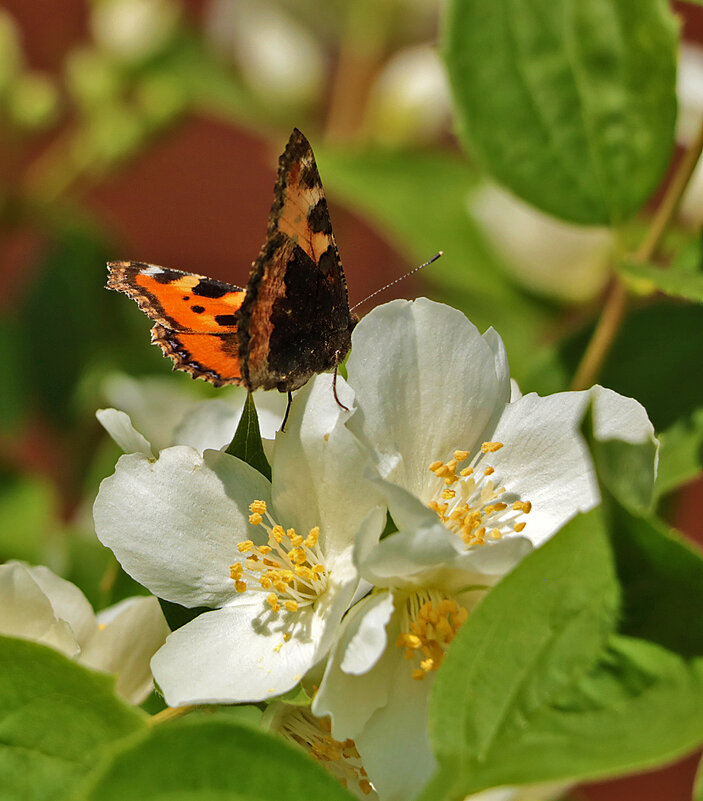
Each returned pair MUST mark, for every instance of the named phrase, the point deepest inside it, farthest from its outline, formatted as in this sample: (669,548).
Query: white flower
(152,414)
(546,255)
(689,90)
(450,444)
(409,102)
(474,480)
(278,57)
(132,30)
(274,559)
(36,604)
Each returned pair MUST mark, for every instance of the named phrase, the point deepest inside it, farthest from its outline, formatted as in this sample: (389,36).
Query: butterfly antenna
(402,278)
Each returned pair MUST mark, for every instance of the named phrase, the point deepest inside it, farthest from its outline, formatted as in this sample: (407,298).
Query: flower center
(429,622)
(289,565)
(341,759)
(468,502)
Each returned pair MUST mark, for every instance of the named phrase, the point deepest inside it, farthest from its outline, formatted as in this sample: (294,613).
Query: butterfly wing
(295,319)
(177,300)
(196,324)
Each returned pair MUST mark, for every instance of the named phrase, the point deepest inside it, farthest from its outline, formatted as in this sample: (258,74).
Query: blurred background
(150,129)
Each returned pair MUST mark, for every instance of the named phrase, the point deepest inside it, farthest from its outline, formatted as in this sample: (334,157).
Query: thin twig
(170,713)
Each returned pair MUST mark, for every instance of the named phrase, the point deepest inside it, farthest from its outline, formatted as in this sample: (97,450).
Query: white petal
(368,641)
(209,424)
(406,557)
(399,773)
(351,699)
(26,612)
(120,428)
(426,384)
(318,468)
(174,523)
(271,408)
(433,556)
(621,418)
(129,635)
(235,655)
(406,509)
(544,460)
(495,343)
(68,602)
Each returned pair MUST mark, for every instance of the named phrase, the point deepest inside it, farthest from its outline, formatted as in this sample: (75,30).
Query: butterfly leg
(285,416)
(334,390)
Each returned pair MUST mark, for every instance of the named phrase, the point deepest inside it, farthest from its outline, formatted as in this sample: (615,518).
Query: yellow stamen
(473,505)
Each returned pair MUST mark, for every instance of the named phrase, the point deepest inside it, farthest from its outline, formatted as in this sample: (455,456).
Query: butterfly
(290,322)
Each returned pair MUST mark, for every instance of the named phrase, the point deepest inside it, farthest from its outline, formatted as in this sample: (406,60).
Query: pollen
(468,501)
(288,567)
(429,623)
(338,757)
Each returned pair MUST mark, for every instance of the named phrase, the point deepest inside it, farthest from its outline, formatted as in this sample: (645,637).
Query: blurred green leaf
(676,283)
(681,454)
(62,318)
(211,760)
(656,359)
(419,200)
(247,444)
(69,324)
(56,716)
(14,395)
(29,511)
(571,105)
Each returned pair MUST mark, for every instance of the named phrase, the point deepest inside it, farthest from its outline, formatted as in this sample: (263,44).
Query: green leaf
(55,717)
(419,201)
(66,298)
(569,104)
(247,444)
(29,510)
(603,705)
(648,278)
(681,454)
(538,632)
(213,760)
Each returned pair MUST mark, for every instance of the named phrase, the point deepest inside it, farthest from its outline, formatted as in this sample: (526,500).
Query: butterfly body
(290,322)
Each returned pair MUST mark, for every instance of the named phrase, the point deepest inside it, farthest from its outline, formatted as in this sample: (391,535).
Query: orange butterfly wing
(195,315)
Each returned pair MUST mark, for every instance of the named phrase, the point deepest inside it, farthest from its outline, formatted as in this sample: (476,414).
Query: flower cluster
(305,584)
